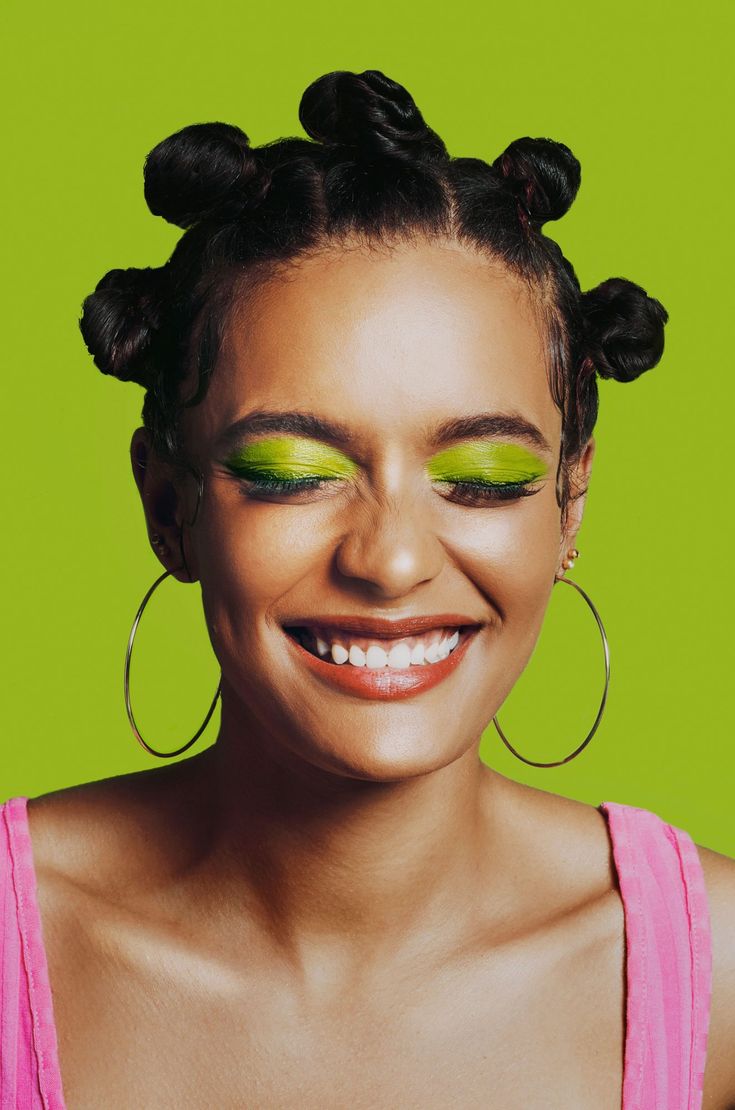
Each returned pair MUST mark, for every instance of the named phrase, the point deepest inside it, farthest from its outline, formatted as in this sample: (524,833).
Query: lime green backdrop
(638,92)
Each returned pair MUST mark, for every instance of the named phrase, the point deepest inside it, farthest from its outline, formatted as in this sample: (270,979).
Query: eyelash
(471,493)
(475,493)
(281,485)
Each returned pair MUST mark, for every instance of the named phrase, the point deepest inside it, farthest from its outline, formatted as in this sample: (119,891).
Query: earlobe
(139,451)
(160,500)
(579,482)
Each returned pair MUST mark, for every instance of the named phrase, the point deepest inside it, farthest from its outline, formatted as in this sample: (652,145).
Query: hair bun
(119,320)
(543,175)
(624,329)
(368,113)
(204,170)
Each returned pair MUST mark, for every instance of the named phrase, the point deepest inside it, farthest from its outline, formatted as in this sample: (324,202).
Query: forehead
(387,340)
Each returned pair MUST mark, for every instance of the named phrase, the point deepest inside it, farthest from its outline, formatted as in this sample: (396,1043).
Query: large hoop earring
(128,706)
(593,730)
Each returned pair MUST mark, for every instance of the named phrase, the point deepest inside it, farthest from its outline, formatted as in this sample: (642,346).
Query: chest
(533,1025)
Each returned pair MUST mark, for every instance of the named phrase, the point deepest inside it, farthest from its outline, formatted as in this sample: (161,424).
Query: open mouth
(378,652)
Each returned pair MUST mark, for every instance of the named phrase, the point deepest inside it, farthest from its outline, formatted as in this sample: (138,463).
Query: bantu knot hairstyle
(369,115)
(624,329)
(203,171)
(120,319)
(370,168)
(543,175)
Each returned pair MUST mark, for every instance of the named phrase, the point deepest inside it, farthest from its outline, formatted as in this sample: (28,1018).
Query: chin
(385,744)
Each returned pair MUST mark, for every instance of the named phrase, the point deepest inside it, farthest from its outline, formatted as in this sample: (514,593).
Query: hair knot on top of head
(120,319)
(368,114)
(204,171)
(543,176)
(624,329)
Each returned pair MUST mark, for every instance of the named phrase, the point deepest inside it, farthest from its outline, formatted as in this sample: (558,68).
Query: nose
(389,548)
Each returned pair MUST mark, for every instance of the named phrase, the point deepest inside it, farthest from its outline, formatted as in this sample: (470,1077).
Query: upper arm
(719,1074)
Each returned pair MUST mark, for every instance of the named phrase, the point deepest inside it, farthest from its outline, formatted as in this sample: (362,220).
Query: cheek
(511,557)
(249,556)
(511,554)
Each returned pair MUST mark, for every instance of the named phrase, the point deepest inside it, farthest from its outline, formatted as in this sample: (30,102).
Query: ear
(162,491)
(579,477)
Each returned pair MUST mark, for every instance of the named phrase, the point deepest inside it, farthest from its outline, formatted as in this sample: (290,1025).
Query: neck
(314,855)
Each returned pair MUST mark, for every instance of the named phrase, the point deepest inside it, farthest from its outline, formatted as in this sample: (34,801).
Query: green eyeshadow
(290,457)
(483,460)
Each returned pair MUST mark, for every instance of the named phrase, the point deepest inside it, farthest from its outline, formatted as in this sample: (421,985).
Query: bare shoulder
(719,877)
(564,844)
(100,834)
(71,824)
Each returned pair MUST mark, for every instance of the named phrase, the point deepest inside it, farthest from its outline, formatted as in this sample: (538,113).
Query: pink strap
(33,953)
(669,960)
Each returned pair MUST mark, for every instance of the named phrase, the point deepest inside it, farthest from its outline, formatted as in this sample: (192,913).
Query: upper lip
(381,627)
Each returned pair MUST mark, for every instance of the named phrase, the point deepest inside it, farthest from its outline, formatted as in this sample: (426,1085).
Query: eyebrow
(511,425)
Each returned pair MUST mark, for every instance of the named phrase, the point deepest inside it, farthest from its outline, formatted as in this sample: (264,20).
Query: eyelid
(296,454)
(479,459)
(281,457)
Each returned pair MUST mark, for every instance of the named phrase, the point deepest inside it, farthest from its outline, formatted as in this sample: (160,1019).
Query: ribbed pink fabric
(668,966)
(669,960)
(29,1064)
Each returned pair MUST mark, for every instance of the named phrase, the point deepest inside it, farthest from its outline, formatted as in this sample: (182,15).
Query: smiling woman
(367,434)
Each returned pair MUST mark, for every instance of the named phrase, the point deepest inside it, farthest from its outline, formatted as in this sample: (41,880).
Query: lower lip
(383,683)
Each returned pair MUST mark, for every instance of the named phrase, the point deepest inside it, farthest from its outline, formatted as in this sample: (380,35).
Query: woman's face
(378,442)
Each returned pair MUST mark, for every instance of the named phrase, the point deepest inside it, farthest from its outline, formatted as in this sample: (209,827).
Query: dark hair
(374,169)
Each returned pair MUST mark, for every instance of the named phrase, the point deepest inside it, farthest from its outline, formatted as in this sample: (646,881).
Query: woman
(367,434)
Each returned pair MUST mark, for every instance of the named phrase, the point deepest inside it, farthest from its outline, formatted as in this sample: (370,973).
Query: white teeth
(399,656)
(448,644)
(374,657)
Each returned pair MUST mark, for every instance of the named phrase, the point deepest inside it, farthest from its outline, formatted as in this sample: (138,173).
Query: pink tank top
(668,966)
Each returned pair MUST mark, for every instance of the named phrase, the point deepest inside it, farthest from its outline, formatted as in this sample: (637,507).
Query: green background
(639,92)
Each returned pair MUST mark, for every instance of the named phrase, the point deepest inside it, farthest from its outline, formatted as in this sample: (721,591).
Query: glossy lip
(383,629)
(385,683)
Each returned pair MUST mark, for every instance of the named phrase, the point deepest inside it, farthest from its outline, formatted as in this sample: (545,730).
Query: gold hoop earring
(572,554)
(128,706)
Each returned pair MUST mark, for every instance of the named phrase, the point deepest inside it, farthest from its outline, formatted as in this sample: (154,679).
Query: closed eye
(463,492)
(273,486)
(485,493)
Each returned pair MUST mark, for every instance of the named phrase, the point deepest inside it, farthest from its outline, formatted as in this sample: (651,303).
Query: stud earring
(568,562)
